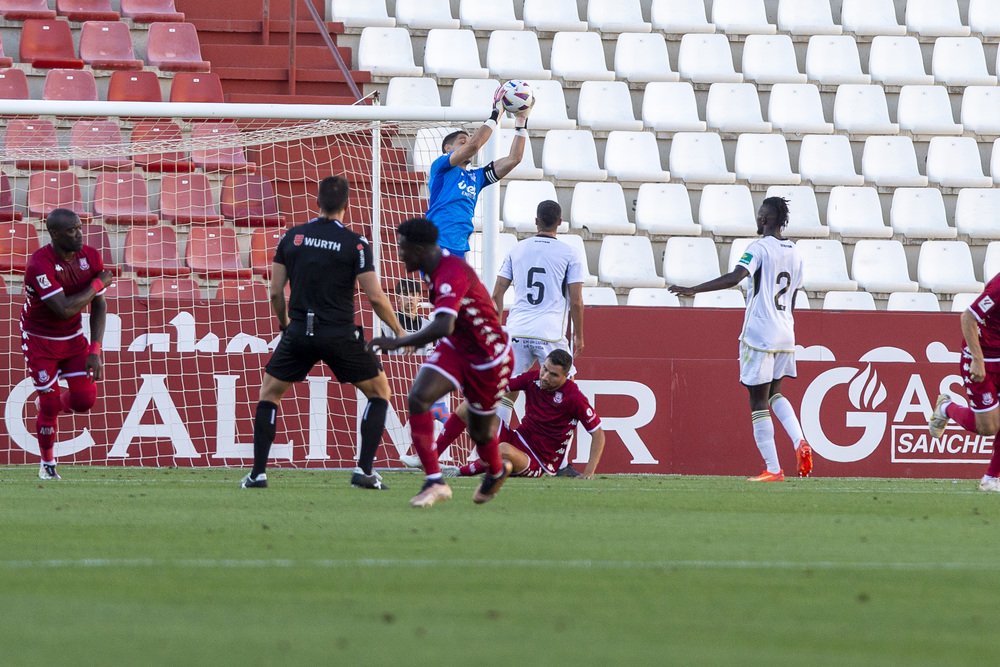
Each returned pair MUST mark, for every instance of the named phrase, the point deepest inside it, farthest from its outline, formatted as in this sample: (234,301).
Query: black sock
(264,430)
(372,427)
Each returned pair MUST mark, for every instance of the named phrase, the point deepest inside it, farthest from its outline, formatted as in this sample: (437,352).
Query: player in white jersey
(767,341)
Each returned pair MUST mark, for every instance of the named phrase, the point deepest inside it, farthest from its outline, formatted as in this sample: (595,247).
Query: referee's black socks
(372,427)
(264,429)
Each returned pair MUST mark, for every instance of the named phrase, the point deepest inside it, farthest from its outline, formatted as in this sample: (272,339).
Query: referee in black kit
(322,260)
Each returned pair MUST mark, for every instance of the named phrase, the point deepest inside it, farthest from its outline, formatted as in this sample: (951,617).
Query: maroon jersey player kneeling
(60,281)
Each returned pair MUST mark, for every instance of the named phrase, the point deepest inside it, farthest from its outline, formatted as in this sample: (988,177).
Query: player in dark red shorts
(473,355)
(60,281)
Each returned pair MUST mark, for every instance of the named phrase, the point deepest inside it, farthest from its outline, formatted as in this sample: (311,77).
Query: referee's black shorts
(346,356)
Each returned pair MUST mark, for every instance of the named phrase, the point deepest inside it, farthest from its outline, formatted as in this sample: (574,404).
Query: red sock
(477,467)
(422,432)
(45,424)
(964,417)
(490,455)
(453,428)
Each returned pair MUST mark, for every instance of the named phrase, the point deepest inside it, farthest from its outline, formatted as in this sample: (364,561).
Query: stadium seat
(770,59)
(736,250)
(839,300)
(224,158)
(616,16)
(386,51)
(122,199)
(995,161)
(248,200)
(549,112)
(651,296)
(806,17)
(880,266)
(263,243)
(606,105)
(416,91)
(134,87)
(96,236)
(87,10)
(734,108)
(991,264)
(600,209)
(33,144)
(698,157)
(690,261)
(891,161)
(796,108)
(918,213)
(7,210)
(181,289)
(553,16)
(494,15)
(149,11)
(108,45)
(960,61)
(89,138)
(962,301)
(727,210)
(186,199)
(641,58)
(926,110)
(571,155)
(157,132)
(954,162)
(13,84)
(71,85)
(981,110)
(671,107)
(49,190)
(665,208)
(977,213)
(453,54)
(200,87)
(575,241)
(579,56)
(474,256)
(213,252)
(17,241)
(174,47)
(834,60)
(945,267)
(122,288)
(856,212)
(862,109)
(763,158)
(707,59)
(741,17)
(526,169)
(361,13)
(599,296)
(520,203)
(21,10)
(824,266)
(935,18)
(984,17)
(476,93)
(513,54)
(924,302)
(870,17)
(803,214)
(680,16)
(425,14)
(634,156)
(246,290)
(727,298)
(47,44)
(152,251)
(896,60)
(627,261)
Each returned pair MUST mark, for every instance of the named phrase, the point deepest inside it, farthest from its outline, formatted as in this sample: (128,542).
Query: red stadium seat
(17,241)
(263,243)
(241,290)
(33,144)
(185,289)
(121,199)
(248,200)
(186,199)
(96,236)
(88,136)
(108,45)
(122,288)
(13,84)
(152,251)
(87,10)
(3,285)
(148,11)
(7,210)
(196,87)
(49,190)
(70,84)
(230,158)
(5,61)
(48,44)
(157,131)
(214,252)
(174,47)
(19,10)
(134,87)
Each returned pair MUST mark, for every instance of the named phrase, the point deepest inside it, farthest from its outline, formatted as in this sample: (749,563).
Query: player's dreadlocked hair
(418,230)
(780,207)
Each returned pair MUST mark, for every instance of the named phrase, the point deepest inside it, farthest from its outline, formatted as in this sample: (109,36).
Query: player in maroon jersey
(473,355)
(60,281)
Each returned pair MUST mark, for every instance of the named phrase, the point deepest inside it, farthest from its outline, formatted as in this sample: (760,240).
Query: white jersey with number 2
(775,268)
(540,269)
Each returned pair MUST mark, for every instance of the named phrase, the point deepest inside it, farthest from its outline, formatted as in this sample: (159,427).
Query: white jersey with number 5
(775,268)
(541,269)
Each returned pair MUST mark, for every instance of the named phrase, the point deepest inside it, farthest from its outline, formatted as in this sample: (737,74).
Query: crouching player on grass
(60,280)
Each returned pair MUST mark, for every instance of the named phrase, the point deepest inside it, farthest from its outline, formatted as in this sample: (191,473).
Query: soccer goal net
(186,204)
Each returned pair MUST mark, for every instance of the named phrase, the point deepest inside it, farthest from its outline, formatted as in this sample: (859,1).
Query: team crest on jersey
(43,281)
(558,397)
(445,288)
(43,376)
(298,239)
(985,303)
(988,398)
(84,264)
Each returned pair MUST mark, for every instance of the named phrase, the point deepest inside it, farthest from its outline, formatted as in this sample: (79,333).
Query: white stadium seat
(945,267)
(896,60)
(642,58)
(515,54)
(599,296)
(611,16)
(575,241)
(797,108)
(526,169)
(690,261)
(838,300)
(634,156)
(707,59)
(579,56)
(492,15)
(962,301)
(387,52)
(549,112)
(807,17)
(879,265)
(698,157)
(763,158)
(891,161)
(984,17)
(991,264)
(917,302)
(520,203)
(606,105)
(828,160)
(856,212)
(960,61)
(553,16)
(474,93)
(862,109)
(935,18)
(427,147)
(954,162)
(669,107)
(926,110)
(741,17)
(918,213)
(627,261)
(425,14)
(736,250)
(734,107)
(571,155)
(665,208)
(977,213)
(413,91)
(361,13)
(824,266)
(870,17)
(600,209)
(981,109)
(652,296)
(833,60)
(453,54)
(727,210)
(803,211)
(726,298)
(680,16)
(770,59)
(475,255)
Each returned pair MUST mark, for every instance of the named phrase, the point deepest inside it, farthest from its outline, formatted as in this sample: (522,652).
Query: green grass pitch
(126,566)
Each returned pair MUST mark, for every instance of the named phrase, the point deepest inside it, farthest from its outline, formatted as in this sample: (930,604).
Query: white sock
(763,435)
(785,413)
(505,410)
